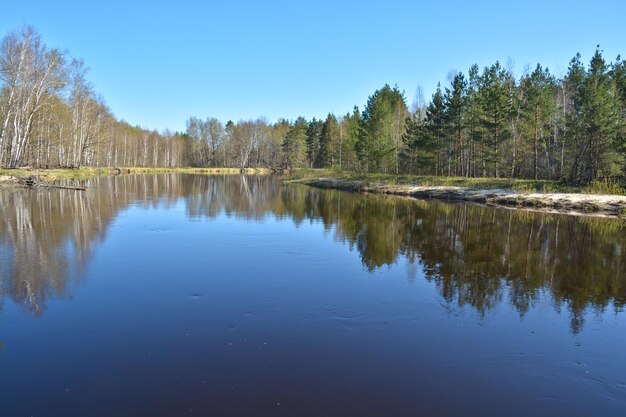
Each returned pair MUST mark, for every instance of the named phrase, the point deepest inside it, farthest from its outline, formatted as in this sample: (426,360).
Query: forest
(486,122)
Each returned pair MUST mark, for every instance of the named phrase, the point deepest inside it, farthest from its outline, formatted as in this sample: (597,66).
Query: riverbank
(13,176)
(556,202)
(514,184)
(607,200)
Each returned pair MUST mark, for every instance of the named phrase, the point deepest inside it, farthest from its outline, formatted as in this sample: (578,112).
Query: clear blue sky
(157,63)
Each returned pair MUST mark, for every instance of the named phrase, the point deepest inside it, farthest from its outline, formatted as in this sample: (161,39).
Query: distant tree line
(486,123)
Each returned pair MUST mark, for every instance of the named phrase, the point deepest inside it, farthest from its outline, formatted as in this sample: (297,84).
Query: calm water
(181,295)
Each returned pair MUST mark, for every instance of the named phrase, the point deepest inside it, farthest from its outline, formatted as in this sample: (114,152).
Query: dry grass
(517,185)
(88,172)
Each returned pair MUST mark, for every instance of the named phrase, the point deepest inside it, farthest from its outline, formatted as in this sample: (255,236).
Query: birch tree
(32,74)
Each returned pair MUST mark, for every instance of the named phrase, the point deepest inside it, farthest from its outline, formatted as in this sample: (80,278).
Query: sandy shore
(577,204)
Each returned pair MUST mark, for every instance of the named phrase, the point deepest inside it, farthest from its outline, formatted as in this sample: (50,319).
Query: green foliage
(594,124)
(313,141)
(455,100)
(294,146)
(537,111)
(434,132)
(496,107)
(376,144)
(350,130)
(329,143)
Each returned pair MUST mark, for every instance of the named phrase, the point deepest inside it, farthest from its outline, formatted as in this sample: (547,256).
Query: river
(193,295)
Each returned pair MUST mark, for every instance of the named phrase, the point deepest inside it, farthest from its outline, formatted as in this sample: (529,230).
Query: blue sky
(158,63)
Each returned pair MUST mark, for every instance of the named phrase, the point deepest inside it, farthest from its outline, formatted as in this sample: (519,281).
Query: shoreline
(599,205)
(12,177)
(573,203)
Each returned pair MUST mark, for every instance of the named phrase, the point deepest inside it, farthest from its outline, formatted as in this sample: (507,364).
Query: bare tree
(32,75)
(245,139)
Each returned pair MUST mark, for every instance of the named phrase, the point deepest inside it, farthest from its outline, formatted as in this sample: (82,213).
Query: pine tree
(329,138)
(618,76)
(421,149)
(313,135)
(294,144)
(496,106)
(600,115)
(377,145)
(473,120)
(538,110)
(435,129)
(573,143)
(455,104)
(350,130)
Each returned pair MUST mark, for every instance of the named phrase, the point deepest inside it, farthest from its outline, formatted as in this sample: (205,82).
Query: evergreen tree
(473,120)
(313,136)
(600,117)
(435,130)
(350,130)
(496,106)
(455,104)
(294,145)
(538,111)
(618,76)
(377,144)
(573,143)
(420,153)
(329,146)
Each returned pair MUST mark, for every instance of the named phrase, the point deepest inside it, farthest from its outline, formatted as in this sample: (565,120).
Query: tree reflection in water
(475,255)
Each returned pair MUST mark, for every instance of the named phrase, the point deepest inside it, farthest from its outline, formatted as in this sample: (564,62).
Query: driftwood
(63,187)
(35,181)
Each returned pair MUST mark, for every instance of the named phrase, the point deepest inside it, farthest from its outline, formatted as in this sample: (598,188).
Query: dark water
(174,295)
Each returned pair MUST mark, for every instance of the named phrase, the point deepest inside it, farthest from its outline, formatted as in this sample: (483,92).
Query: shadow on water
(475,255)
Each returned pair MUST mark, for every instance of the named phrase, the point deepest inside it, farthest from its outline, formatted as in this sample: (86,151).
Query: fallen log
(35,181)
(63,187)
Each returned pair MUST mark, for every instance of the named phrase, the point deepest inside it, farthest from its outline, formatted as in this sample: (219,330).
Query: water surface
(176,295)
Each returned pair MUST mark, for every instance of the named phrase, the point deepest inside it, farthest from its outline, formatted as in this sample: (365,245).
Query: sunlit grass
(88,172)
(56,174)
(305,174)
(518,185)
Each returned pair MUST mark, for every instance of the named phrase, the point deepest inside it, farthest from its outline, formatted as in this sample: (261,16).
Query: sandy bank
(570,203)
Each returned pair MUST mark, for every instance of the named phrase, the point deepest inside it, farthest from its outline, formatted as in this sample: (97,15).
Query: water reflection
(475,256)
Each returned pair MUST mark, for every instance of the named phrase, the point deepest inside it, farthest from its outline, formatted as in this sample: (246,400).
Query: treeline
(538,126)
(486,123)
(50,115)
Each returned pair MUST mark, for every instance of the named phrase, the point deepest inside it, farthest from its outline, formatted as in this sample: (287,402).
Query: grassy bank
(55,174)
(305,175)
(517,185)
(191,170)
(49,175)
